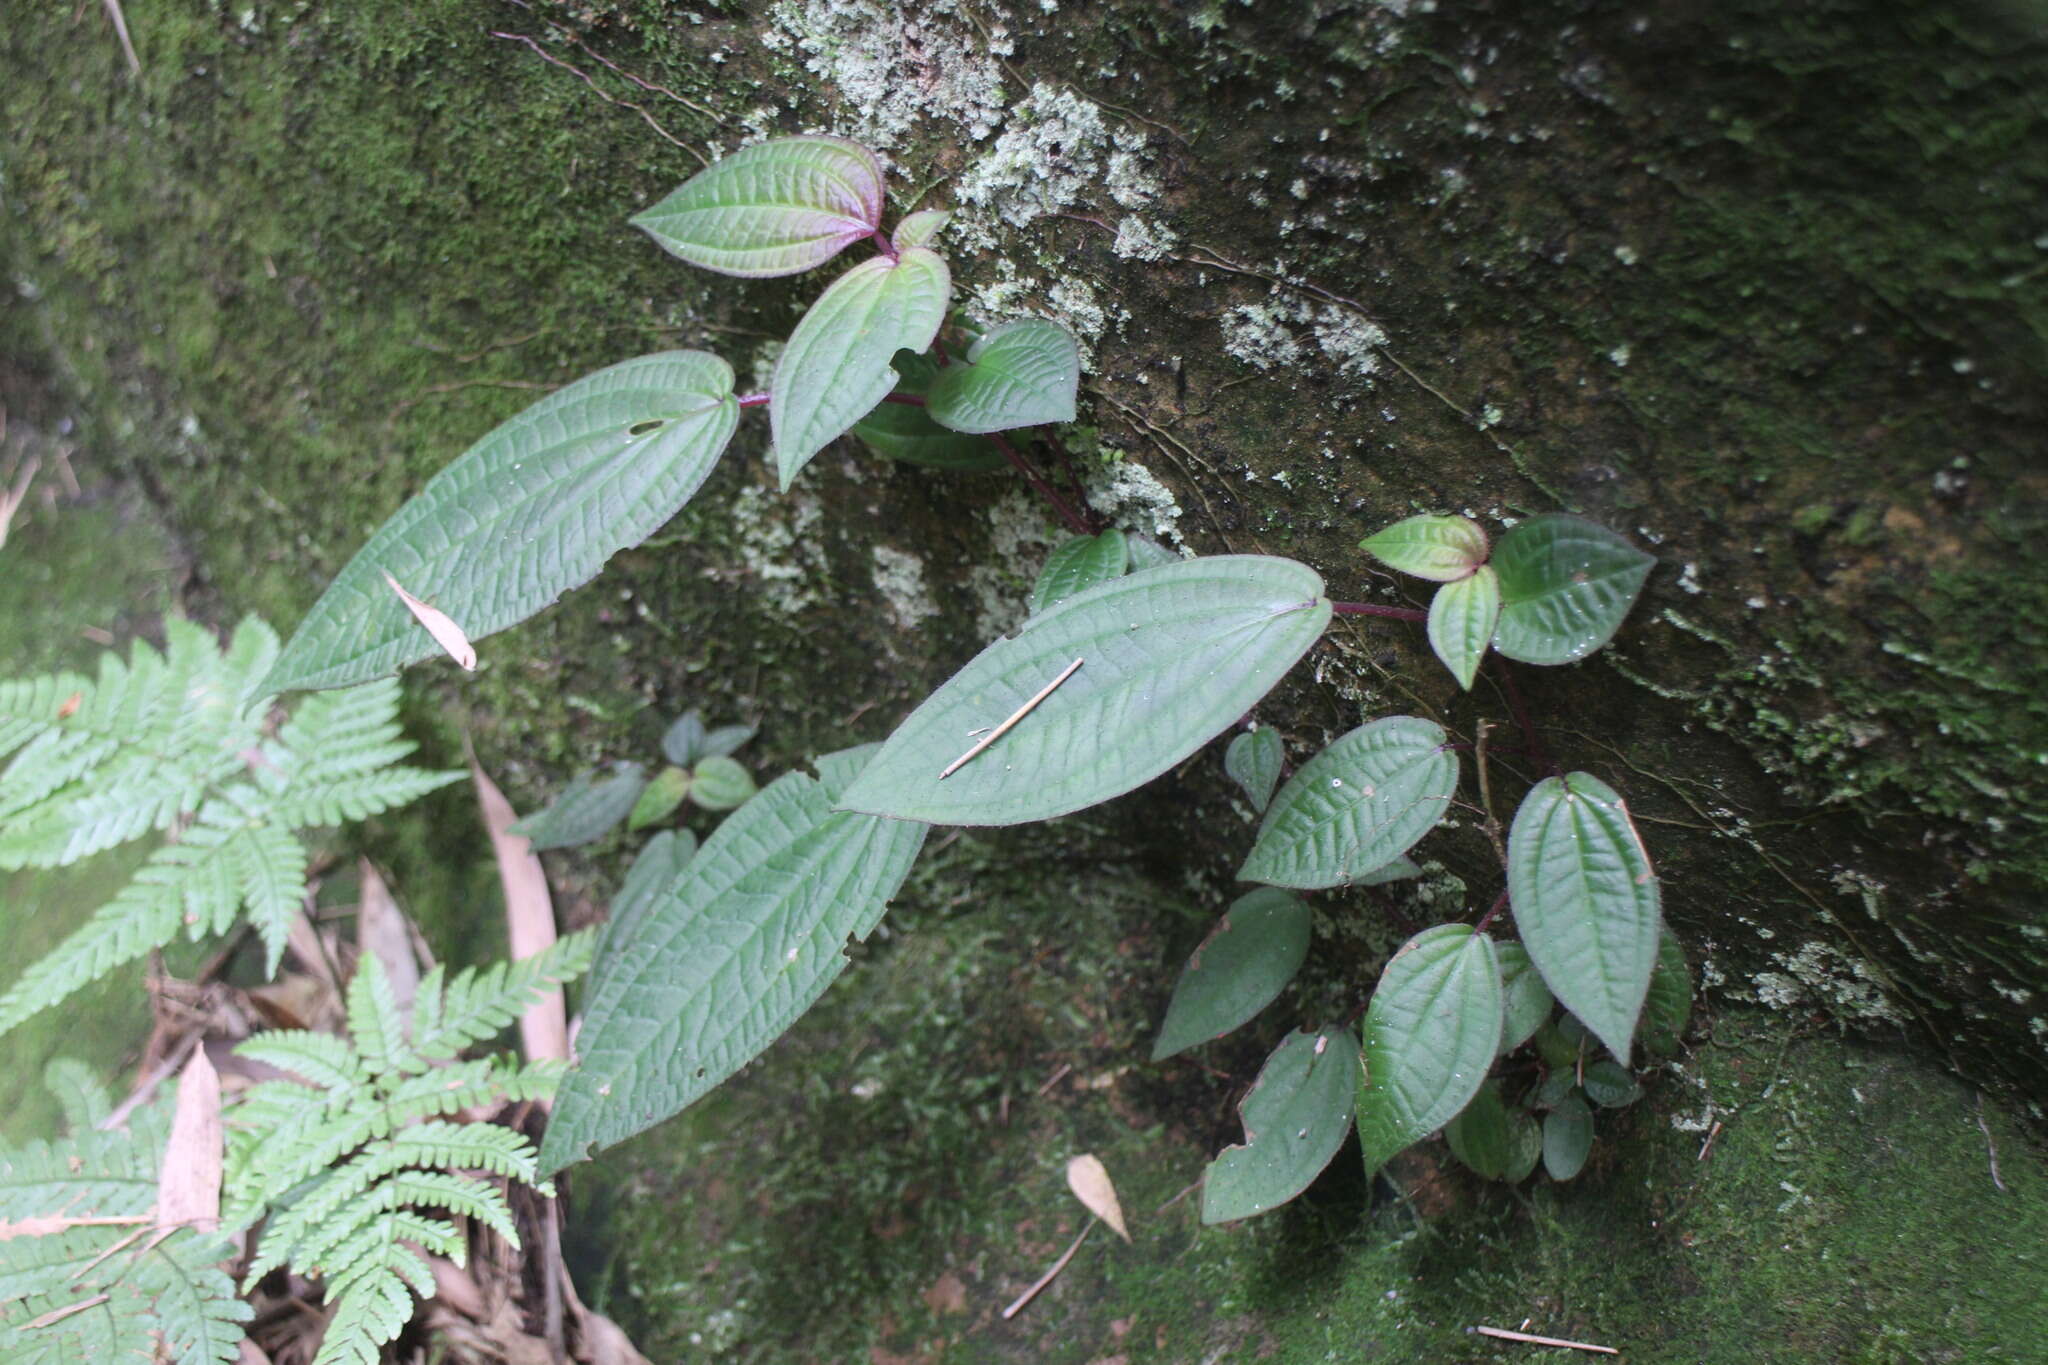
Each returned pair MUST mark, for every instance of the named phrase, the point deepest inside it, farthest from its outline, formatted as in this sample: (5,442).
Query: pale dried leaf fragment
(1090,1182)
(529,918)
(45,1224)
(381,931)
(440,625)
(188,1182)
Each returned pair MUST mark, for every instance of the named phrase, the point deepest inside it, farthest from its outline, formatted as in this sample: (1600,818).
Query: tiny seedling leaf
(1435,547)
(586,810)
(1253,761)
(1089,1179)
(1170,658)
(1295,1118)
(720,783)
(1527,1000)
(1241,967)
(1147,553)
(775,208)
(1077,565)
(1608,1084)
(906,432)
(1567,1138)
(663,793)
(920,229)
(1668,1005)
(1586,902)
(1021,374)
(726,740)
(1494,1140)
(683,743)
(1461,622)
(1356,806)
(1565,585)
(730,953)
(836,365)
(1431,1032)
(532,510)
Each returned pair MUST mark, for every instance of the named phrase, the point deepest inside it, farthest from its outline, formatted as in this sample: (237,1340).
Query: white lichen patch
(1056,154)
(894,65)
(1823,975)
(1140,239)
(899,578)
(1134,499)
(778,546)
(1277,334)
(1019,538)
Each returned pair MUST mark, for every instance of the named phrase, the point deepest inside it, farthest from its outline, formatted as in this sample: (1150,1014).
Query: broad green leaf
(1296,1116)
(663,793)
(659,864)
(586,810)
(1461,621)
(1586,902)
(1400,869)
(1169,658)
(906,432)
(1077,565)
(836,365)
(1565,584)
(1668,1006)
(1356,806)
(739,945)
(1147,553)
(720,783)
(1253,761)
(1430,1035)
(1556,1086)
(920,229)
(1608,1084)
(1527,1000)
(727,739)
(1241,967)
(683,743)
(529,512)
(1496,1141)
(1021,374)
(1436,547)
(1567,1138)
(775,208)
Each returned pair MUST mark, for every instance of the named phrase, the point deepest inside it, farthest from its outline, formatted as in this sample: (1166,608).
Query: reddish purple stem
(1500,903)
(753,400)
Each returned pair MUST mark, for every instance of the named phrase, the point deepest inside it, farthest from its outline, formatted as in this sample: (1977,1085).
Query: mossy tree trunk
(1766,290)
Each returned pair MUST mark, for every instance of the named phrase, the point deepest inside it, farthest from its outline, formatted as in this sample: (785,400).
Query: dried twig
(1708,1145)
(1505,1335)
(121,32)
(1990,1146)
(1005,727)
(1018,1304)
(11,500)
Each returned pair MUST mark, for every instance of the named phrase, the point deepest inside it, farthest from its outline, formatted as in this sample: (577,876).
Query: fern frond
(30,707)
(374,1022)
(84,1099)
(91,1175)
(272,867)
(322,1058)
(375,1302)
(193,1308)
(459,1194)
(357,797)
(142,745)
(479,1004)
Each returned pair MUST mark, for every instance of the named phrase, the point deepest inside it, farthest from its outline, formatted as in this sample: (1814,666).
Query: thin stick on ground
(1018,1304)
(1505,1335)
(121,32)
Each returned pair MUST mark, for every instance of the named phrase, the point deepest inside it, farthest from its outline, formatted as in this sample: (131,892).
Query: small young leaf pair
(1554,590)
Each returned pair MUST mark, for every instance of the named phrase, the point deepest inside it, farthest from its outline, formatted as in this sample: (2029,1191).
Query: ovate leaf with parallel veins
(533,509)
(1586,902)
(775,208)
(1668,1006)
(1430,1034)
(1021,374)
(1434,547)
(1462,616)
(1077,565)
(663,793)
(1295,1118)
(1253,761)
(720,783)
(1567,1138)
(1241,967)
(1170,658)
(836,365)
(586,810)
(748,935)
(906,432)
(1356,806)
(1527,1000)
(1565,585)
(920,229)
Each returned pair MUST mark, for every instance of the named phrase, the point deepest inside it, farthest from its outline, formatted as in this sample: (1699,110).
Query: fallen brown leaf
(381,930)
(440,625)
(529,917)
(1090,1183)
(188,1182)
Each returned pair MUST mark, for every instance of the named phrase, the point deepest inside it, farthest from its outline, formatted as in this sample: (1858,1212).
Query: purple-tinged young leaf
(775,208)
